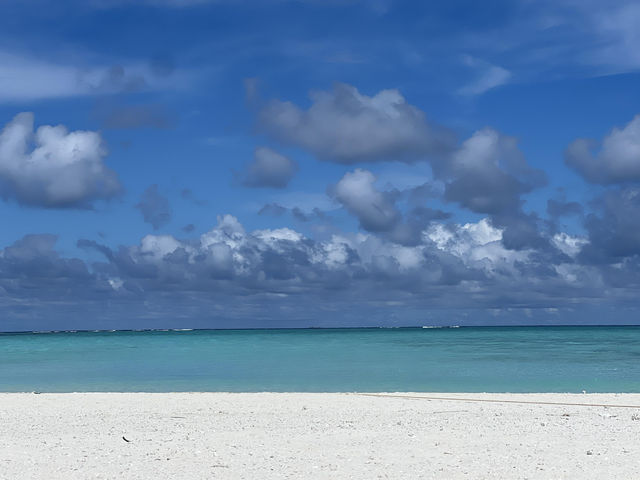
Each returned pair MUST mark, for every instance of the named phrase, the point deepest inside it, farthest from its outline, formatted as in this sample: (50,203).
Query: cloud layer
(230,270)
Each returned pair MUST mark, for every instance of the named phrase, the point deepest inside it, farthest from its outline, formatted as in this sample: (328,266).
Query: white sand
(323,436)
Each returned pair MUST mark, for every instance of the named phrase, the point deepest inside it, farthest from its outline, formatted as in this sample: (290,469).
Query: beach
(318,435)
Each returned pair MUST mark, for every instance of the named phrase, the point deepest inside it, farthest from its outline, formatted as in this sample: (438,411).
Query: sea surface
(472,359)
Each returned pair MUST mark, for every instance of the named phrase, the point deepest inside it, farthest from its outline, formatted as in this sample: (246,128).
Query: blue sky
(206,163)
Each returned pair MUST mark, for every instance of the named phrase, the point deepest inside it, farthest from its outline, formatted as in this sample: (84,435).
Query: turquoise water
(492,359)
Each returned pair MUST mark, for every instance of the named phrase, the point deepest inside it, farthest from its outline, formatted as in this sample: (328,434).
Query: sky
(309,163)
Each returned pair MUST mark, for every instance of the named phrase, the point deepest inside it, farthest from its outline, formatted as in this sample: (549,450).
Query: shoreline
(319,435)
(523,398)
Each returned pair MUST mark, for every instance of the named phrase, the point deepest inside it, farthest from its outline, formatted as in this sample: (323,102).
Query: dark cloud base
(229,278)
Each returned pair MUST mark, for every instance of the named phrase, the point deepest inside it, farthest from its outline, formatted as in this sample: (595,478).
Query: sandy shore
(324,436)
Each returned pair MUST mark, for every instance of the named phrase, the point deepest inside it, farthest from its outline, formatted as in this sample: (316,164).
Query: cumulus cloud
(32,263)
(375,210)
(522,230)
(154,207)
(614,228)
(346,126)
(53,167)
(269,169)
(615,160)
(287,261)
(470,260)
(488,174)
(281,275)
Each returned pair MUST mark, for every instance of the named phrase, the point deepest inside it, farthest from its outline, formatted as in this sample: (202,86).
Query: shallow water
(473,359)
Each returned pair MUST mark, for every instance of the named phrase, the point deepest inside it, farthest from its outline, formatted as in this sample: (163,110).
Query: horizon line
(407,327)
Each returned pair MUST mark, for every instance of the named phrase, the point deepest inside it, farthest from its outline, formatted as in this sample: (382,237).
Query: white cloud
(348,127)
(228,245)
(477,245)
(454,265)
(489,173)
(269,169)
(159,245)
(617,161)
(272,237)
(375,210)
(568,244)
(53,167)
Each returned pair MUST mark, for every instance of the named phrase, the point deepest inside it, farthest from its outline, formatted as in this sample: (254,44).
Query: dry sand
(323,436)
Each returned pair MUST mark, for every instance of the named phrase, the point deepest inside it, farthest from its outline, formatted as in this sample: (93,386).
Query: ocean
(468,359)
